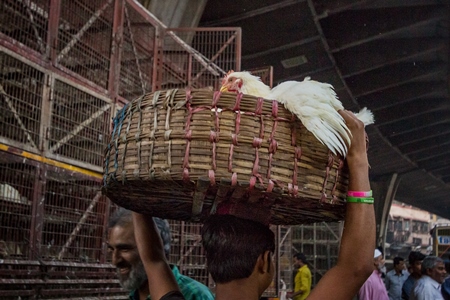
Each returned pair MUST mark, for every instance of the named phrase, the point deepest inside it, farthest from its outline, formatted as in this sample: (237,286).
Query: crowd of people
(424,278)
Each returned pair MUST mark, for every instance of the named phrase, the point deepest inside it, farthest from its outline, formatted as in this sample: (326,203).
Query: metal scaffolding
(65,68)
(320,243)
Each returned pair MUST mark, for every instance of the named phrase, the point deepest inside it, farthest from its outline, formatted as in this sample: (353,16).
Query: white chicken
(314,103)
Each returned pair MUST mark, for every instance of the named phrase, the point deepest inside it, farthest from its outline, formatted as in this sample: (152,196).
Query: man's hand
(291,295)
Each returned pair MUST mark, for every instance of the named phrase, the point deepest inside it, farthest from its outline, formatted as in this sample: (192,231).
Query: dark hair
(397,260)
(415,256)
(233,246)
(122,217)
(301,256)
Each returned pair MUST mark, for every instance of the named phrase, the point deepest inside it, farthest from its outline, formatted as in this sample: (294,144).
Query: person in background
(130,269)
(374,287)
(415,265)
(395,278)
(302,280)
(240,261)
(446,285)
(383,268)
(428,287)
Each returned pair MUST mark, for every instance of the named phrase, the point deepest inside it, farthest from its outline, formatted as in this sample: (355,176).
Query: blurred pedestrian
(395,278)
(415,266)
(429,285)
(302,281)
(374,287)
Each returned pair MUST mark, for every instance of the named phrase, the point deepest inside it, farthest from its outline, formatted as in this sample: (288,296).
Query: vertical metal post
(37,212)
(277,260)
(182,236)
(104,252)
(315,254)
(116,49)
(158,57)
(46,113)
(52,34)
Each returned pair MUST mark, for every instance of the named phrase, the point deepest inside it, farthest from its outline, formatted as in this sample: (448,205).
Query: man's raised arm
(160,277)
(355,261)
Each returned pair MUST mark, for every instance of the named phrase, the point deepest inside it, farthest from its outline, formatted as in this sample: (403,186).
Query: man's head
(415,262)
(399,264)
(434,267)
(235,246)
(378,259)
(123,248)
(299,260)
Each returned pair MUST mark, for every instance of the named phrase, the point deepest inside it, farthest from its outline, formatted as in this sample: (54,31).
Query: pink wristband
(359,194)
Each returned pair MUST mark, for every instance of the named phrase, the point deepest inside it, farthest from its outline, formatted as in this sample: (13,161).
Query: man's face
(417,267)
(400,267)
(125,256)
(379,262)
(438,273)
(297,262)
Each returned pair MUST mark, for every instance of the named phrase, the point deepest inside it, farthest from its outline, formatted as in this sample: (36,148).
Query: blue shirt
(446,289)
(426,288)
(407,287)
(394,283)
(190,288)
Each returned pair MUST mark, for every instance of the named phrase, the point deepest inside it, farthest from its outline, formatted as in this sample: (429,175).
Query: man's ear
(264,262)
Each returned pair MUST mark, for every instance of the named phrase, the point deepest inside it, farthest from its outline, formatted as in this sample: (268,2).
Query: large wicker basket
(186,154)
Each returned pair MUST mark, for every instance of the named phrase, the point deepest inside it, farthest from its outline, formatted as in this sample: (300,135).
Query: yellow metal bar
(49,161)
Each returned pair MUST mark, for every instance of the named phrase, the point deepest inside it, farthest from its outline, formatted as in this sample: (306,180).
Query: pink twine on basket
(259,106)
(298,155)
(213,140)
(237,104)
(274,109)
(273,145)
(334,197)
(188,136)
(270,186)
(234,136)
(292,189)
(212,177)
(256,144)
(293,133)
(234,179)
(323,198)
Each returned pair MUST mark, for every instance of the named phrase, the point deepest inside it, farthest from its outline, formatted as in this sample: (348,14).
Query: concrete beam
(176,13)
(384,190)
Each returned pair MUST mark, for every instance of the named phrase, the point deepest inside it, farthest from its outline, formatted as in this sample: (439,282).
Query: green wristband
(366,200)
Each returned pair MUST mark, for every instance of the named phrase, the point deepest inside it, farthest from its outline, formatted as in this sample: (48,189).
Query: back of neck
(237,289)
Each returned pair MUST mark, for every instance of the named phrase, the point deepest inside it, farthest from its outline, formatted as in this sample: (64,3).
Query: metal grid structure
(320,243)
(65,68)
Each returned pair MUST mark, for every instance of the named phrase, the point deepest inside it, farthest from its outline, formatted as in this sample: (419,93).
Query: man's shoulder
(390,273)
(191,288)
(305,269)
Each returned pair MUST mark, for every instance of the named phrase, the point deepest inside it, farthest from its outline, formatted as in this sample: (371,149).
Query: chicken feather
(314,103)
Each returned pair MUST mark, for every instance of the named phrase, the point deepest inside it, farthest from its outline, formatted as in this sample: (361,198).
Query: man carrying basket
(239,252)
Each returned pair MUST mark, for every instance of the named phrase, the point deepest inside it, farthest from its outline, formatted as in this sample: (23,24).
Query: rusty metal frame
(6,98)
(76,38)
(236,36)
(49,61)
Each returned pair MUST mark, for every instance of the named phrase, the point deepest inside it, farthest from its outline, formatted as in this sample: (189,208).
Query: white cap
(377,253)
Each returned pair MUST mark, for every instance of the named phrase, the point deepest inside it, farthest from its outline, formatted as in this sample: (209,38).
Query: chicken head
(231,83)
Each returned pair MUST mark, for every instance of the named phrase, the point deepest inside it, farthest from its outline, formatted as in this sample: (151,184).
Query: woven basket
(186,154)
